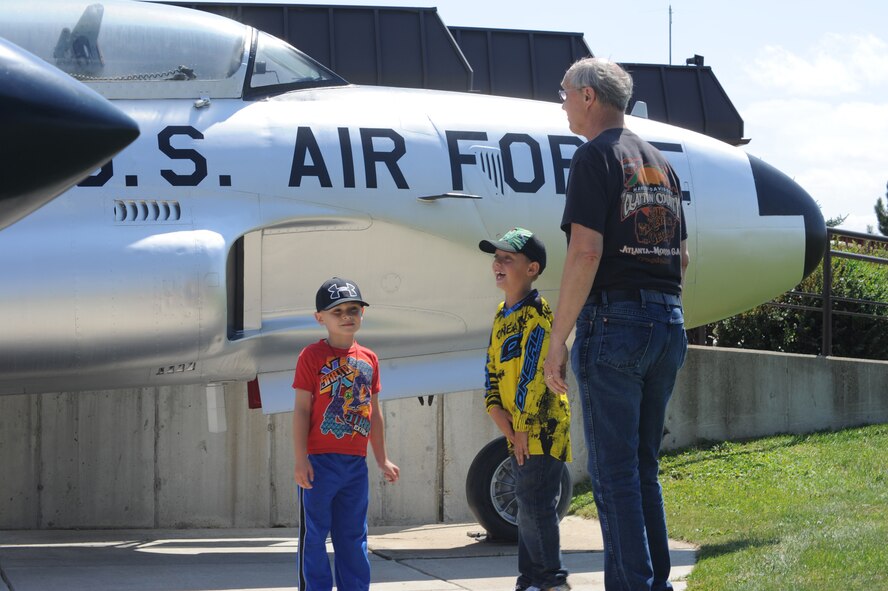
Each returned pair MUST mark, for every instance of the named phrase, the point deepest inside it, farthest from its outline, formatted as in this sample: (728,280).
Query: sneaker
(561,587)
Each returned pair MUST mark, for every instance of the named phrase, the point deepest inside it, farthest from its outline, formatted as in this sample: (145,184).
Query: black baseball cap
(518,240)
(337,291)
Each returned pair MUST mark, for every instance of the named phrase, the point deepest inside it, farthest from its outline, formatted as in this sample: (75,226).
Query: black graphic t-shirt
(622,187)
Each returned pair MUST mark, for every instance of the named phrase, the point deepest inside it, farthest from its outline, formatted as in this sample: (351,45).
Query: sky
(809,79)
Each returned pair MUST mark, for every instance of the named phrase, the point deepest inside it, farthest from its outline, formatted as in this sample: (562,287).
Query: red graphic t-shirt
(341,382)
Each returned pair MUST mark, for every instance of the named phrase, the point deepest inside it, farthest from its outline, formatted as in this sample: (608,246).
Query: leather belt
(633,295)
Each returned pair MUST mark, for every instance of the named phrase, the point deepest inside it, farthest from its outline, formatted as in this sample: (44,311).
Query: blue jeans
(538,483)
(626,356)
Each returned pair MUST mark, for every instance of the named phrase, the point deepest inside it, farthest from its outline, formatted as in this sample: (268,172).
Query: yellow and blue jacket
(519,343)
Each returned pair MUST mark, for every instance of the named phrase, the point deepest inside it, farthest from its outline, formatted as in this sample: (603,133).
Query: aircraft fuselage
(193,256)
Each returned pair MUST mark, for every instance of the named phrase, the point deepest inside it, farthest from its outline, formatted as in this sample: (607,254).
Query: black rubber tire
(493,503)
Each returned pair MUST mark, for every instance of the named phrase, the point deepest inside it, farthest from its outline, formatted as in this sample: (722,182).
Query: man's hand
(555,368)
(304,472)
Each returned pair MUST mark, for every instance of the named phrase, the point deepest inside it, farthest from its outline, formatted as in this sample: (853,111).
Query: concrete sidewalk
(441,557)
(453,559)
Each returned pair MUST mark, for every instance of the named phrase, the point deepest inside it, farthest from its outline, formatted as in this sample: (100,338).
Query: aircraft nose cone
(55,131)
(780,195)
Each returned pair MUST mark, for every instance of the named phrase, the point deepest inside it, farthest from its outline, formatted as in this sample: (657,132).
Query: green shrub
(775,328)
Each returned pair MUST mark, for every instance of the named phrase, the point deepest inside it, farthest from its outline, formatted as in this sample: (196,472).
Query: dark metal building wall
(522,64)
(406,47)
(412,48)
(689,97)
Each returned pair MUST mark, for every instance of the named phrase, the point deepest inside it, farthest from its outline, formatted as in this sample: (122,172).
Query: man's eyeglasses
(562,94)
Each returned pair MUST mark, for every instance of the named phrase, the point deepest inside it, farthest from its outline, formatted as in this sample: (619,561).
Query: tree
(836,221)
(882,215)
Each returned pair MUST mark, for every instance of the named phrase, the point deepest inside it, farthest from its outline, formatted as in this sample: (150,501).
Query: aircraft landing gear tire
(490,490)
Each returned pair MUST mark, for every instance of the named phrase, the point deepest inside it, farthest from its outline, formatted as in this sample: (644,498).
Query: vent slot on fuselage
(146,211)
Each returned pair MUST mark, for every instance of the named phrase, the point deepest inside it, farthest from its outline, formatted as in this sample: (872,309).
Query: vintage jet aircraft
(193,255)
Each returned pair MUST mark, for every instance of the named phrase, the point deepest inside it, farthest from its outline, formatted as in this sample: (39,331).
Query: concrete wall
(731,394)
(145,457)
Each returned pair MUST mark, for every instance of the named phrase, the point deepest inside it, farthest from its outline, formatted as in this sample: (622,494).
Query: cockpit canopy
(141,50)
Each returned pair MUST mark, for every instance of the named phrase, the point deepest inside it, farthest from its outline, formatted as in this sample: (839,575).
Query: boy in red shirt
(336,414)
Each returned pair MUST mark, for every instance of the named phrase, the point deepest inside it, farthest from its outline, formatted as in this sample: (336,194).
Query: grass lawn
(785,513)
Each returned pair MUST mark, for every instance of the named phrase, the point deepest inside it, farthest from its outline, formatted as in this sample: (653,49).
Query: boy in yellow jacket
(535,420)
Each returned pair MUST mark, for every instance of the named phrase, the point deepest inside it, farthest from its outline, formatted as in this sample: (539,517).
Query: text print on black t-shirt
(655,208)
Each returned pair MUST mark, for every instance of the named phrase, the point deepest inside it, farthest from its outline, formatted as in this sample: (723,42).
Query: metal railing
(878,245)
(877,249)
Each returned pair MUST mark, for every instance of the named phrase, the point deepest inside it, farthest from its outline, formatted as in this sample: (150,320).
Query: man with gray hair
(621,286)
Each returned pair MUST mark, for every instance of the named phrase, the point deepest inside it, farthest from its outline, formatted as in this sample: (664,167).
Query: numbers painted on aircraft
(381,150)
